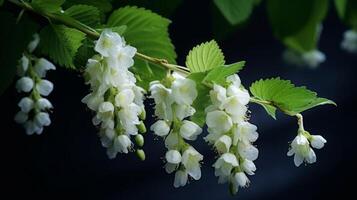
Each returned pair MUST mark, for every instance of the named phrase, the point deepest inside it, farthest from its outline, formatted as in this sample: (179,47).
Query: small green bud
(142,115)
(141,127)
(140,154)
(232,189)
(139,140)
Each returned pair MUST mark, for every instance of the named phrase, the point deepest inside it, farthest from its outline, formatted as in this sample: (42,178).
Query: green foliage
(218,75)
(1,2)
(163,7)
(14,38)
(103,5)
(296,22)
(285,96)
(347,11)
(204,57)
(235,11)
(148,32)
(88,15)
(61,43)
(202,100)
(51,6)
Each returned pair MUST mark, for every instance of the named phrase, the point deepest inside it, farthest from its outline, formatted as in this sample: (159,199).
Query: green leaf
(84,52)
(103,5)
(202,100)
(148,32)
(218,75)
(296,22)
(235,11)
(51,6)
(1,2)
(204,57)
(285,96)
(14,38)
(347,11)
(88,15)
(61,43)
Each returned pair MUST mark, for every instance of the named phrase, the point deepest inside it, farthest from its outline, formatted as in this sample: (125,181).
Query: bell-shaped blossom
(223,144)
(24,84)
(224,165)
(184,91)
(42,66)
(317,141)
(44,87)
(219,121)
(189,130)
(191,161)
(181,177)
(108,43)
(173,157)
(122,144)
(160,128)
(26,104)
(300,148)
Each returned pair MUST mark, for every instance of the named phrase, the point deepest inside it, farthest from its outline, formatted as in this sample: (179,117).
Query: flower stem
(95,35)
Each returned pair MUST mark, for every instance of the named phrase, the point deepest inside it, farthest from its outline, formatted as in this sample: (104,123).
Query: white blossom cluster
(34,108)
(231,134)
(115,98)
(311,59)
(300,147)
(172,107)
(349,42)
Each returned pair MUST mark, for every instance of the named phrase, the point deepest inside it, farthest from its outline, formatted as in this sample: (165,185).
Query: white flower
(108,43)
(106,107)
(248,166)
(129,118)
(163,100)
(160,128)
(21,117)
(32,127)
(33,44)
(169,167)
(191,160)
(224,165)
(317,141)
(219,121)
(124,98)
(44,87)
(184,91)
(24,84)
(234,79)
(93,101)
(218,95)
(43,104)
(190,130)
(122,144)
(182,111)
(349,42)
(26,104)
(223,144)
(313,58)
(180,178)
(23,66)
(301,150)
(42,119)
(235,108)
(122,57)
(247,151)
(173,157)
(42,66)
(245,132)
(240,179)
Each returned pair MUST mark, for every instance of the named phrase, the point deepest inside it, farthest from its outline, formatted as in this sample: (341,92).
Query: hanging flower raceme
(349,42)
(231,134)
(116,99)
(173,101)
(34,108)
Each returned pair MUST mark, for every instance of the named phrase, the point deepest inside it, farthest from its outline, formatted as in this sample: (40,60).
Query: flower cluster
(231,134)
(300,147)
(349,42)
(173,101)
(115,98)
(34,108)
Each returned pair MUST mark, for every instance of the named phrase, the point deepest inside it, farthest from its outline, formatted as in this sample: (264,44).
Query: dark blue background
(67,161)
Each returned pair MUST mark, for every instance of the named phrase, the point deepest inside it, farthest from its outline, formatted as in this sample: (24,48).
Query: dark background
(67,161)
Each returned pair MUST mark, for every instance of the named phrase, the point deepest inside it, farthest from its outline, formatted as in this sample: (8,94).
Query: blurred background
(68,161)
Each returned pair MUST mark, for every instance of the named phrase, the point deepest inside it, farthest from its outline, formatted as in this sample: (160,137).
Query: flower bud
(160,128)
(44,87)
(141,127)
(139,140)
(140,154)
(26,104)
(173,157)
(317,141)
